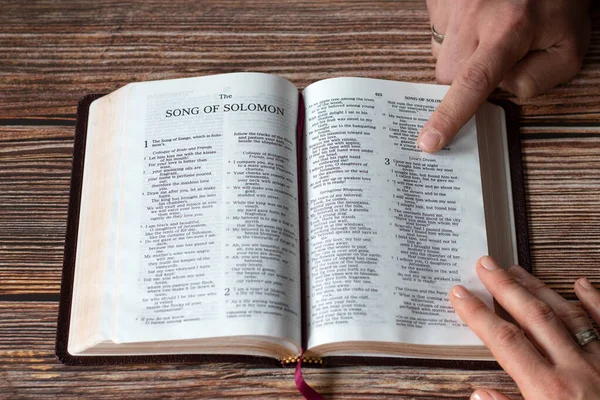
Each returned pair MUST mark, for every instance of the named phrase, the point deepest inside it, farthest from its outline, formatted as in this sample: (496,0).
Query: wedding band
(438,37)
(586,337)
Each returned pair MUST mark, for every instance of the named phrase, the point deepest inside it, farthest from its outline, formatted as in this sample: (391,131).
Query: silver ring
(586,337)
(438,37)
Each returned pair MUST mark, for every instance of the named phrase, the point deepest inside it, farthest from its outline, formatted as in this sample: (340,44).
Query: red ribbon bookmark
(303,387)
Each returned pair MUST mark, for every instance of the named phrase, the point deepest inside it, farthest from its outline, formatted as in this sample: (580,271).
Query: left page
(209,244)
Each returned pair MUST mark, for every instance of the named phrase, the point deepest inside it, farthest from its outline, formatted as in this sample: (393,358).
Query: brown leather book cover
(62,335)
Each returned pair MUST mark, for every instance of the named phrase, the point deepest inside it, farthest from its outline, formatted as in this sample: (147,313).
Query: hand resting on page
(523,46)
(544,359)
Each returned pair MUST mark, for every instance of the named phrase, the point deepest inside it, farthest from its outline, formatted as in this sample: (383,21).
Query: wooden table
(52,53)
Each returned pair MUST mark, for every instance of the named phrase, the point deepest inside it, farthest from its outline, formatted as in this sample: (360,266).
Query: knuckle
(477,309)
(444,118)
(507,284)
(476,77)
(507,334)
(510,32)
(442,75)
(564,388)
(540,313)
(517,15)
(535,286)
(570,312)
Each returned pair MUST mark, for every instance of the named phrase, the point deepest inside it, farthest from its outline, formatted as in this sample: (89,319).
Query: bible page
(389,228)
(210,244)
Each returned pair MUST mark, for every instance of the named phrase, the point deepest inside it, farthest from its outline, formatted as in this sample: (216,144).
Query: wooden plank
(29,369)
(22,133)
(563,192)
(562,187)
(35,174)
(53,53)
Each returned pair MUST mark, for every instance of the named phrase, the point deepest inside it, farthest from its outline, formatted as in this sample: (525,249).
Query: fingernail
(518,273)
(482,395)
(585,283)
(488,263)
(429,140)
(461,292)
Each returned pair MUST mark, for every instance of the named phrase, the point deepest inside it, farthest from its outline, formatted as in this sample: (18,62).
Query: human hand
(543,359)
(523,46)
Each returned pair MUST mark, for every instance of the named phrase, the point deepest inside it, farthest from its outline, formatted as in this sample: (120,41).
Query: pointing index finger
(480,75)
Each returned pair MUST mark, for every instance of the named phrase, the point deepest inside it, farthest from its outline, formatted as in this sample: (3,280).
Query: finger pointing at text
(525,47)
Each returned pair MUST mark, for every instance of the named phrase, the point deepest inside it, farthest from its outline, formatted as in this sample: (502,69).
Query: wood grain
(30,370)
(562,187)
(54,52)
(563,198)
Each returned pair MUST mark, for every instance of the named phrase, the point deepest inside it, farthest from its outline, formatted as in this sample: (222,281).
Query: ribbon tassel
(303,387)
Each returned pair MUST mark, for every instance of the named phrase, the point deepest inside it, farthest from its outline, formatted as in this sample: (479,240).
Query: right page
(389,229)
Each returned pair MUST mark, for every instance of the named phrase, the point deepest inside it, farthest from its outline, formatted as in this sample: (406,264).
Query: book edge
(517,182)
(522,237)
(68,273)
(520,216)
(67,279)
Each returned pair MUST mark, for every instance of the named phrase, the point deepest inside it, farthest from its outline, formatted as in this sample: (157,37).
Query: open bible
(226,216)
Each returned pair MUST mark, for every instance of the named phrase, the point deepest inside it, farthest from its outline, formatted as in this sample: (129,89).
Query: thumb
(488,394)
(541,70)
